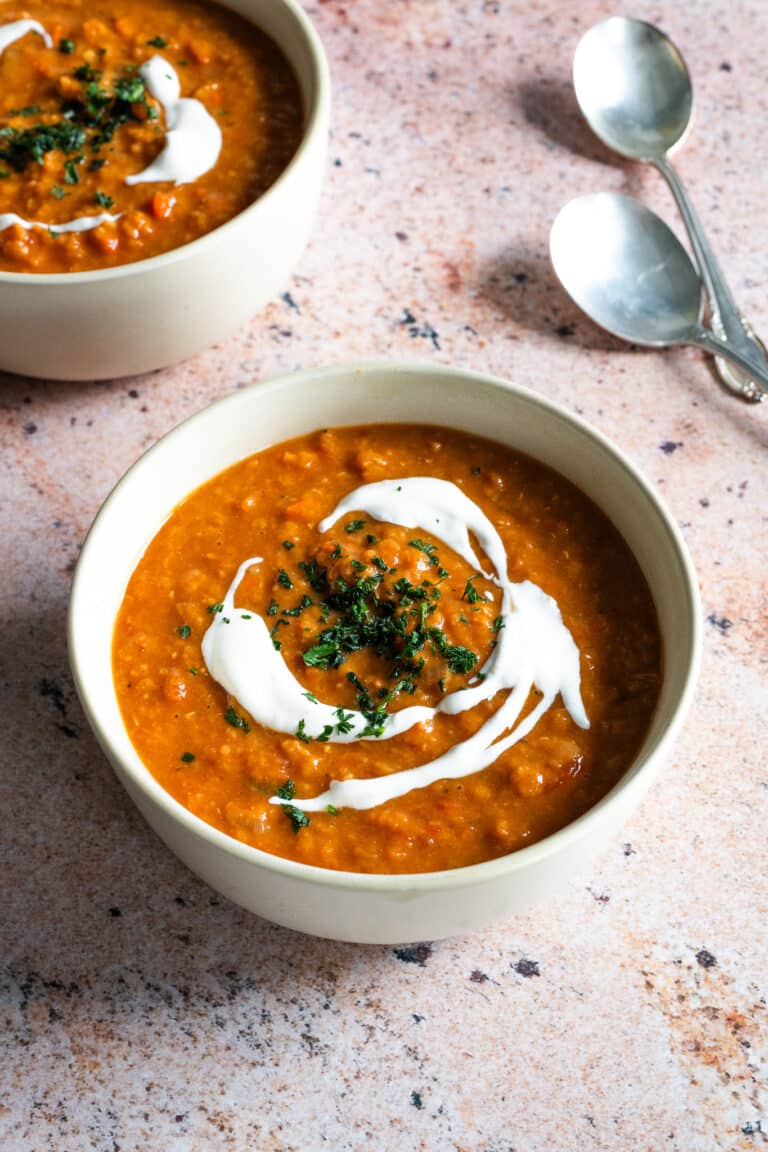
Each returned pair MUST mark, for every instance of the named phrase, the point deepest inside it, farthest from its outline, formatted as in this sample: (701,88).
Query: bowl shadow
(92,900)
(523,286)
(549,105)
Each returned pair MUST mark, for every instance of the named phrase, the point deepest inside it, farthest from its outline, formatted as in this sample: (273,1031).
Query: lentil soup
(131,127)
(391,648)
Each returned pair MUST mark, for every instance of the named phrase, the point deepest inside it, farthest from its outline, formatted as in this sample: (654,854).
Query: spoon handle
(726,317)
(756,373)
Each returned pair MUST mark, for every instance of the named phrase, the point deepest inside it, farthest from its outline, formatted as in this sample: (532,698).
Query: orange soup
(391,648)
(130,127)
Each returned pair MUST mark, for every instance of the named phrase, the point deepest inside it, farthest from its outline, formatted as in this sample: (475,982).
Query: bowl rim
(317,118)
(395,883)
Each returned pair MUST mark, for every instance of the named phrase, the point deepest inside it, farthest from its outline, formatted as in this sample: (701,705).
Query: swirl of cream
(192,139)
(534,649)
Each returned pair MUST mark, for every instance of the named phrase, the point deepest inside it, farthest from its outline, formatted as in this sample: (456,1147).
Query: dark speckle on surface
(478,977)
(30,428)
(414,954)
(291,303)
(725,66)
(133,393)
(705,958)
(564,330)
(670,446)
(418,331)
(722,623)
(416,1100)
(527,968)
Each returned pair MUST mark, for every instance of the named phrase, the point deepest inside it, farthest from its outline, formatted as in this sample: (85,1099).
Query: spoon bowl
(626,269)
(633,88)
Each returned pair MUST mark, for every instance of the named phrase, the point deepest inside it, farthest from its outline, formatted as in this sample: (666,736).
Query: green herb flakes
(236,721)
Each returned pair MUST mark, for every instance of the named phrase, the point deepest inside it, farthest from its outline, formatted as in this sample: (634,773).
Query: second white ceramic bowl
(146,315)
(345,905)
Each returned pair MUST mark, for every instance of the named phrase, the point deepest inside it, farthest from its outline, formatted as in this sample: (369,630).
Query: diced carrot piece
(200,51)
(162,205)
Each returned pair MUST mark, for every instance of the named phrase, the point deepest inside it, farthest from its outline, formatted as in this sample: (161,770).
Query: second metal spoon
(635,92)
(628,271)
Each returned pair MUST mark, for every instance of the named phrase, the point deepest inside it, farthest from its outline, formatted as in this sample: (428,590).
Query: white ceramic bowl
(345,905)
(141,316)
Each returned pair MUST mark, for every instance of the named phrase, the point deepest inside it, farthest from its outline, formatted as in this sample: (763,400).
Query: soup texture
(390,648)
(131,127)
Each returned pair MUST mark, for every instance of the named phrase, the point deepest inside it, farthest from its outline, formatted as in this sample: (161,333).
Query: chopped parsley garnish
(194,671)
(288,545)
(389,619)
(273,608)
(184,631)
(130,89)
(357,565)
(157,42)
(236,721)
(94,165)
(286,791)
(284,579)
(66,46)
(298,818)
(312,699)
(429,550)
(103,200)
(305,602)
(354,526)
(187,757)
(273,635)
(498,624)
(475,471)
(343,721)
(71,175)
(57,191)
(215,607)
(27,110)
(320,655)
(315,575)
(336,552)
(370,538)
(331,810)
(23,146)
(301,732)
(460,659)
(470,593)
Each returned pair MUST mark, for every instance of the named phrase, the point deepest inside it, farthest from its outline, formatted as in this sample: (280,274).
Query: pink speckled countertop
(142,1011)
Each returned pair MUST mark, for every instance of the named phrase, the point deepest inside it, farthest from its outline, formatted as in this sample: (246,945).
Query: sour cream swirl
(534,649)
(192,136)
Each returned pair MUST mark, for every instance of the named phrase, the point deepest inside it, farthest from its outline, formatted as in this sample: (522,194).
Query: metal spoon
(635,92)
(628,271)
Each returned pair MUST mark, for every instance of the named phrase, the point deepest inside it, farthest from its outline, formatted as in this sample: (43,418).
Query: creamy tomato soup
(392,648)
(130,127)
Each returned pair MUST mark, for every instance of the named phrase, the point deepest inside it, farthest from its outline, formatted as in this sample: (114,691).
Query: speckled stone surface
(142,1011)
